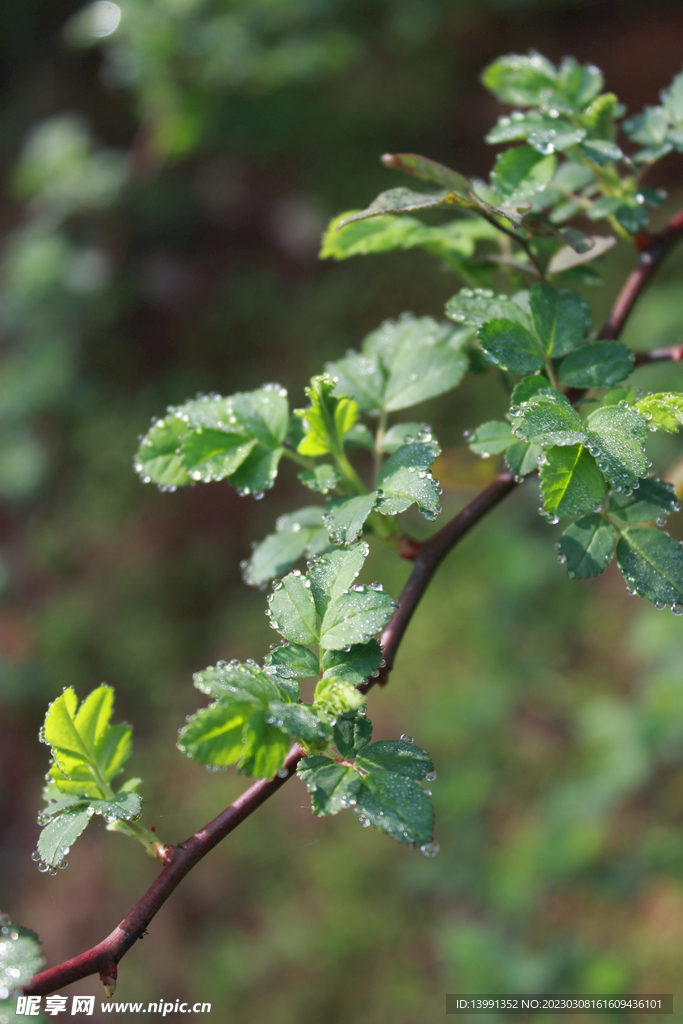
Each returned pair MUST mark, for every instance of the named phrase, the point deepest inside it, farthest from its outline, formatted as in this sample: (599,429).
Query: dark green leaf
(302,723)
(397,806)
(297,534)
(653,499)
(601,363)
(521,173)
(560,318)
(258,471)
(508,344)
(292,609)
(571,482)
(601,151)
(522,458)
(293,661)
(429,170)
(526,389)
(632,216)
(406,479)
(332,574)
(353,666)
(20,956)
(587,546)
(332,786)
(616,438)
(395,756)
(234,682)
(479,306)
(651,562)
(405,433)
(355,617)
(490,438)
(344,517)
(400,200)
(351,734)
(547,418)
(542,132)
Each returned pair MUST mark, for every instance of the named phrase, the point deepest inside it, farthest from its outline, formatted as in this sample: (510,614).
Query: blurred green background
(167,168)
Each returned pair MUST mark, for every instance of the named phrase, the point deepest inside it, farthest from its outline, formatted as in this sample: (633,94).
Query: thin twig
(100,959)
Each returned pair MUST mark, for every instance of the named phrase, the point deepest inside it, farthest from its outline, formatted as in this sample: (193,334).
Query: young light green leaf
(662,411)
(353,666)
(653,499)
(651,562)
(355,617)
(332,574)
(214,734)
(293,662)
(234,682)
(264,747)
(587,546)
(298,533)
(571,482)
(549,419)
(616,438)
(506,343)
(20,956)
(454,242)
(405,479)
(337,696)
(490,438)
(291,609)
(521,80)
(479,306)
(596,365)
(396,805)
(157,460)
(301,722)
(521,173)
(59,835)
(522,458)
(332,786)
(344,517)
(560,318)
(395,756)
(328,418)
(323,478)
(214,454)
(405,200)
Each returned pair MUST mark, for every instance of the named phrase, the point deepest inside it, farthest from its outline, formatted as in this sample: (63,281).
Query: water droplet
(430,849)
(406,738)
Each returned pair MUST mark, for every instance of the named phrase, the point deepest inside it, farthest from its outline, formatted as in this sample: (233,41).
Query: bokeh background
(167,168)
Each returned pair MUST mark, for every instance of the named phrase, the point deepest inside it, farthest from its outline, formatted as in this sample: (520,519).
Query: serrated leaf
(652,499)
(547,418)
(490,438)
(292,610)
(213,454)
(337,696)
(405,200)
(511,346)
(355,617)
(616,438)
(352,733)
(521,172)
(405,479)
(560,318)
(297,534)
(571,482)
(59,835)
(353,666)
(258,472)
(214,734)
(663,411)
(480,306)
(522,458)
(328,418)
(344,517)
(520,80)
(264,747)
(234,682)
(301,722)
(567,257)
(323,478)
(526,389)
(332,786)
(125,807)
(20,956)
(157,460)
(587,546)
(293,661)
(395,756)
(540,131)
(397,806)
(334,573)
(596,365)
(651,562)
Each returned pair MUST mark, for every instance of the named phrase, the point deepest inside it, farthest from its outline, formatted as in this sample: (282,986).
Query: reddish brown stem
(104,956)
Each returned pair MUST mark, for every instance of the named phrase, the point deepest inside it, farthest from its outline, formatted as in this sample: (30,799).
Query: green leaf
(157,460)
(214,734)
(344,517)
(522,458)
(549,419)
(616,438)
(652,499)
(490,438)
(520,80)
(651,562)
(396,805)
(234,682)
(353,666)
(57,838)
(600,116)
(293,661)
(355,617)
(522,172)
(596,365)
(328,418)
(542,132)
(571,482)
(264,747)
(258,472)
(404,200)
(429,170)
(482,305)
(587,546)
(125,807)
(601,151)
(332,786)
(395,756)
(673,99)
(526,389)
(298,533)
(662,411)
(511,346)
(213,454)
(560,318)
(323,478)
(648,128)
(332,574)
(351,734)
(454,242)
(616,396)
(262,414)
(632,216)
(301,722)
(406,479)
(20,956)
(337,696)
(405,433)
(292,610)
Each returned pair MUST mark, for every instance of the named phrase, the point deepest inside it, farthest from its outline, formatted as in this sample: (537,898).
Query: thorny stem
(102,958)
